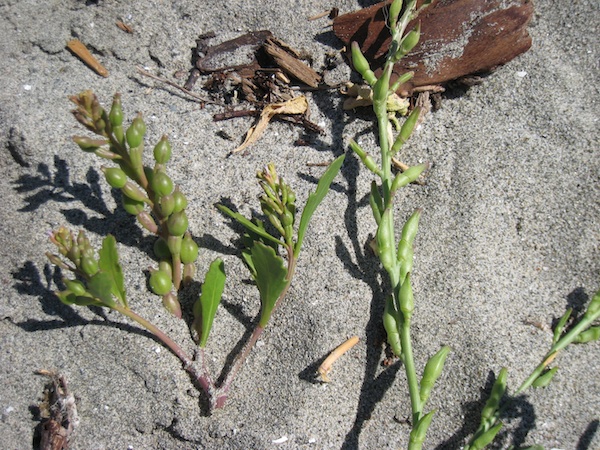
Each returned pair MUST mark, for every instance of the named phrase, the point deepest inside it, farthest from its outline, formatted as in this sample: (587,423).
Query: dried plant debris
(257,66)
(79,49)
(458,38)
(58,413)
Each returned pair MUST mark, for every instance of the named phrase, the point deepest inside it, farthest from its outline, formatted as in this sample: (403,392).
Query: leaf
(206,306)
(297,105)
(271,278)
(69,298)
(109,264)
(100,286)
(248,224)
(315,198)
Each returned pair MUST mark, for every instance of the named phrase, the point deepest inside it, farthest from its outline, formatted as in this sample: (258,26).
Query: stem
(411,374)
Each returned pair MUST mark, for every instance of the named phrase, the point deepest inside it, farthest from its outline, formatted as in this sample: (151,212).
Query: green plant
(149,194)
(397,258)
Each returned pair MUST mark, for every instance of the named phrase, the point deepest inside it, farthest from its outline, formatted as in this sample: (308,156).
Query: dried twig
(325,367)
(175,85)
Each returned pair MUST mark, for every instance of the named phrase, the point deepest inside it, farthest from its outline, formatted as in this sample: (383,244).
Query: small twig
(175,85)
(325,367)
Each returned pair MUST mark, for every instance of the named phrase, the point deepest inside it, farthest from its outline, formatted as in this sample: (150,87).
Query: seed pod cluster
(278,202)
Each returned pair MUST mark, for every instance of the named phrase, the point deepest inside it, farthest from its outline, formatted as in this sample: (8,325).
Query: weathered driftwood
(458,38)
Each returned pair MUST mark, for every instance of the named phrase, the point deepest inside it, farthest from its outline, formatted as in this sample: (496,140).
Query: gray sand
(508,239)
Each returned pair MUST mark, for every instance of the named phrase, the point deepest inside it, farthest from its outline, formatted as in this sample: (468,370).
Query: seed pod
(408,176)
(180,200)
(162,151)
(545,378)
(171,304)
(365,158)
(133,207)
(189,250)
(594,307)
(405,298)
(361,64)
(115,177)
(160,282)
(174,244)
(376,202)
(147,222)
(167,205)
(136,155)
(391,323)
(408,42)
(432,371)
(407,128)
(161,249)
(134,192)
(116,112)
(135,132)
(486,438)
(189,270)
(89,145)
(394,12)
(417,435)
(561,325)
(162,184)
(589,335)
(75,286)
(493,402)
(177,224)
(166,265)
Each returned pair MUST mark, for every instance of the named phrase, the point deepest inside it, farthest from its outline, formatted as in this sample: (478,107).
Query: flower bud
(162,151)
(189,249)
(115,177)
(160,282)
(177,224)
(162,184)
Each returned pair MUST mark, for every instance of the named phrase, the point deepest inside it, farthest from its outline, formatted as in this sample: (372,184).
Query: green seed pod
(136,155)
(162,184)
(135,132)
(385,241)
(116,112)
(189,250)
(405,298)
(171,304)
(89,145)
(391,323)
(560,326)
(160,282)
(545,378)
(115,177)
(177,224)
(409,41)
(166,265)
(132,191)
(365,158)
(376,202)
(483,440)
(180,200)
(75,286)
(147,222)
(589,335)
(276,223)
(287,219)
(361,64)
(133,207)
(417,435)
(167,205)
(407,128)
(408,176)
(431,373)
(161,249)
(162,151)
(174,244)
(493,402)
(594,307)
(89,265)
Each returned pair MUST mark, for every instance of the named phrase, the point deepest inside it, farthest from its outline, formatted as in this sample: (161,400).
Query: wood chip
(290,63)
(81,51)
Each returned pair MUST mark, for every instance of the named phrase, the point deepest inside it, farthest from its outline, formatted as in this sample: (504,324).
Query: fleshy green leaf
(270,278)
(69,298)
(109,264)
(205,307)
(315,198)
(248,224)
(100,286)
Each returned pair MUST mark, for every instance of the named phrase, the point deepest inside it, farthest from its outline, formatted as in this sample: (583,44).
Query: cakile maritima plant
(397,257)
(150,195)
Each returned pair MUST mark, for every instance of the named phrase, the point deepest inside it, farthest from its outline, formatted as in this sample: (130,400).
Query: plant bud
(189,250)
(133,207)
(162,151)
(134,192)
(180,200)
(174,245)
(172,305)
(116,112)
(135,132)
(160,282)
(177,224)
(161,249)
(89,265)
(167,205)
(162,184)
(115,177)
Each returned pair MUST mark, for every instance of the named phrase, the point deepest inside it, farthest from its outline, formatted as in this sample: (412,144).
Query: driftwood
(458,38)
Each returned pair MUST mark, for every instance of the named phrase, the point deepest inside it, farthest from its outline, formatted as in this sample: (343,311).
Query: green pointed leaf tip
(271,278)
(206,306)
(315,198)
(260,231)
(109,264)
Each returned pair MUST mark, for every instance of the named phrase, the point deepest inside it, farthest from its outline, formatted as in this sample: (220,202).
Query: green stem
(411,374)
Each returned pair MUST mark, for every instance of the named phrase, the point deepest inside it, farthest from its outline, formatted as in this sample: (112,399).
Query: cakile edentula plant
(149,194)
(397,257)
